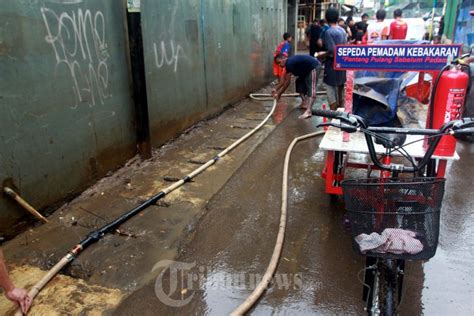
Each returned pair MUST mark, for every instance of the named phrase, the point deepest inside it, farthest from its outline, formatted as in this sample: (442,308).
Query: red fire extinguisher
(449,98)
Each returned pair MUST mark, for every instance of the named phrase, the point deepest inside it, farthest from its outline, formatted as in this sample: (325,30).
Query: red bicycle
(393,217)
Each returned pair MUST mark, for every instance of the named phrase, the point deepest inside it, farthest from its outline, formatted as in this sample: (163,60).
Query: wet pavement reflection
(318,273)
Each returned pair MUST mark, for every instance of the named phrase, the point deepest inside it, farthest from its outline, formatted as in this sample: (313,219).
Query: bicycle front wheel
(389,287)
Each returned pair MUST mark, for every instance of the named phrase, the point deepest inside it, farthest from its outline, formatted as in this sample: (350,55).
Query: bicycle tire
(388,287)
(385,289)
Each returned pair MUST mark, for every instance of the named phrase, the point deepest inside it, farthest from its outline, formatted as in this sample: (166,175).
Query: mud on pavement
(318,273)
(121,263)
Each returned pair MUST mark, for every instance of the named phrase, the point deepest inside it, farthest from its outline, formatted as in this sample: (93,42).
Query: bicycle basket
(394,218)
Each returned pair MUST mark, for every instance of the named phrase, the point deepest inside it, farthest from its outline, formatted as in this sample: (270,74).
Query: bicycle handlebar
(351,119)
(466,131)
(351,123)
(330,113)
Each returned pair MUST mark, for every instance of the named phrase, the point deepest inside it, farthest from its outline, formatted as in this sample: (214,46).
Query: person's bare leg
(304,102)
(331,95)
(312,86)
(307,113)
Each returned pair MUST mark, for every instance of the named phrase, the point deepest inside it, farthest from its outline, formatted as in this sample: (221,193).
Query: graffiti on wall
(78,39)
(167,54)
(167,51)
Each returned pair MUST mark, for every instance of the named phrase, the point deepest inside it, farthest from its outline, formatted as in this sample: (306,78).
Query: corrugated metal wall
(201,55)
(66,114)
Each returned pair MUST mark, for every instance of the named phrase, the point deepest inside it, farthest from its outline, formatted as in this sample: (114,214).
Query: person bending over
(305,69)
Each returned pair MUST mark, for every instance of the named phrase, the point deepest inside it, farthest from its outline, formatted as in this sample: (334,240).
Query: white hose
(68,257)
(268,97)
(258,291)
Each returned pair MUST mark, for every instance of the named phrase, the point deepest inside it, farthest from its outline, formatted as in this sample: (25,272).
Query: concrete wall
(66,114)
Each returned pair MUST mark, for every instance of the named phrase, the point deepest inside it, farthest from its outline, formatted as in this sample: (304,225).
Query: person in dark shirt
(314,33)
(324,26)
(441,26)
(365,21)
(360,33)
(305,69)
(351,24)
(365,18)
(334,80)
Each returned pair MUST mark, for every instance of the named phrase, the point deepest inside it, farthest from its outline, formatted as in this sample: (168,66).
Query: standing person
(345,27)
(324,26)
(365,23)
(398,28)
(359,36)
(314,33)
(334,80)
(365,19)
(305,68)
(283,48)
(14,294)
(379,30)
(351,24)
(441,27)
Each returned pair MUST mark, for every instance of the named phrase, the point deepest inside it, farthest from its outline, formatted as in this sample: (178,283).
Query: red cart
(344,151)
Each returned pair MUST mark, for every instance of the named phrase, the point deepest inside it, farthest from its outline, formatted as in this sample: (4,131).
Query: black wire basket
(394,218)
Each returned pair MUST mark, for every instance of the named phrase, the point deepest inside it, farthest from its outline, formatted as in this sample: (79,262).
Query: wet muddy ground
(125,261)
(221,231)
(319,273)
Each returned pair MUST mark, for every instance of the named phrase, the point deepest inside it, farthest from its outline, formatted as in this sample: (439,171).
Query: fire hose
(112,226)
(267,277)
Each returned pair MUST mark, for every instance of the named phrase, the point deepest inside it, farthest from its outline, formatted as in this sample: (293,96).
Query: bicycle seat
(391,141)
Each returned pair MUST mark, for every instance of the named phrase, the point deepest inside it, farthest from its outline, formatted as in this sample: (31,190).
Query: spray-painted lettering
(78,41)
(167,56)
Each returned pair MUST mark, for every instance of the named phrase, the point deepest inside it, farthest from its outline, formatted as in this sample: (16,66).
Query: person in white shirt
(379,30)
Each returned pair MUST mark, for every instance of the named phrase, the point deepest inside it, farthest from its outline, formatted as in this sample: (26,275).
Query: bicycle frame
(383,277)
(337,158)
